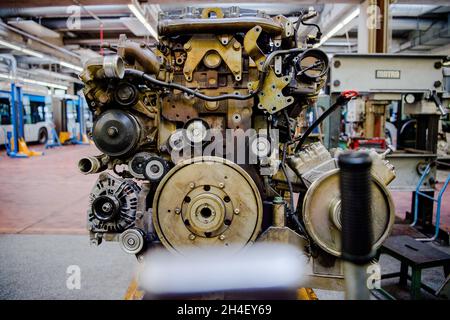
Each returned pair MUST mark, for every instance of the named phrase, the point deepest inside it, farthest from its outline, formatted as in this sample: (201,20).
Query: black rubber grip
(355,185)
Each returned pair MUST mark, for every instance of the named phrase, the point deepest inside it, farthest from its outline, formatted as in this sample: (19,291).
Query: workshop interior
(154,150)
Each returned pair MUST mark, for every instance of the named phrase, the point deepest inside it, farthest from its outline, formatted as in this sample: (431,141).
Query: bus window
(37,111)
(5,111)
(26,114)
(71,109)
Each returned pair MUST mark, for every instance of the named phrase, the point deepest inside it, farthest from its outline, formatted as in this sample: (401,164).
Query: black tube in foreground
(355,185)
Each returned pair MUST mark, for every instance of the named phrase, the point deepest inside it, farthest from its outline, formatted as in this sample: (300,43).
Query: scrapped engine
(203,140)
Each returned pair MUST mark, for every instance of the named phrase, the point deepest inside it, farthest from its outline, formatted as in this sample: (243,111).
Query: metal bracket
(270,97)
(197,48)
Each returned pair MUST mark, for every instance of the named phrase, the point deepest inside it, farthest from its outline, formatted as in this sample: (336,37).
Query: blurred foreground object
(260,271)
(357,228)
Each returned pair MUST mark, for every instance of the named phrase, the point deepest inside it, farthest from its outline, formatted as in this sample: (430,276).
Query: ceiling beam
(183,3)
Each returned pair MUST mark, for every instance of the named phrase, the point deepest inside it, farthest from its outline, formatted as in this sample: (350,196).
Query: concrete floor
(43,231)
(35,267)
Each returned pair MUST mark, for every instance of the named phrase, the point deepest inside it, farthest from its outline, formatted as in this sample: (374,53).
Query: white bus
(37,117)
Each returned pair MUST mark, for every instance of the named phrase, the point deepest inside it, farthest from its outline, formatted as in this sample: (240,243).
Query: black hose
(340,102)
(202,96)
(193,92)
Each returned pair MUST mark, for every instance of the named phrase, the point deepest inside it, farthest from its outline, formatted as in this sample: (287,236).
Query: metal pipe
(61,11)
(13,63)
(48,44)
(229,25)
(90,165)
(278,212)
(131,51)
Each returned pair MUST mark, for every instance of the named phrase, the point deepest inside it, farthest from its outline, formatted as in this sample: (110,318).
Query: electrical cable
(345,97)
(291,212)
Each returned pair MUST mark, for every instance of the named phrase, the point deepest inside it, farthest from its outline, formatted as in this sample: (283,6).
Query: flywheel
(207,201)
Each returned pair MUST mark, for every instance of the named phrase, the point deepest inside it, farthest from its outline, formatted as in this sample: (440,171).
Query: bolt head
(107,207)
(222,237)
(177,210)
(192,185)
(191,237)
(112,131)
(221,185)
(236,211)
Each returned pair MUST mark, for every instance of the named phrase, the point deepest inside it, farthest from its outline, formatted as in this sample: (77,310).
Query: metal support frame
(438,200)
(80,113)
(17,121)
(54,141)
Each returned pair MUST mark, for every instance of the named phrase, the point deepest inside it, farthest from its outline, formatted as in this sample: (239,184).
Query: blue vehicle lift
(54,140)
(438,200)
(15,144)
(17,123)
(80,113)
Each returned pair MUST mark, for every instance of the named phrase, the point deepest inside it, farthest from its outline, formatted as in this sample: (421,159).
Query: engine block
(200,132)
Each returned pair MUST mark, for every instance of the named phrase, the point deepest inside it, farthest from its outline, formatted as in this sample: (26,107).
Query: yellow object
(133,292)
(23,148)
(64,136)
(306,294)
(85,139)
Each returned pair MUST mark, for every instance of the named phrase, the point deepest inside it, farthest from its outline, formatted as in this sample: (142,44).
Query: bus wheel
(43,136)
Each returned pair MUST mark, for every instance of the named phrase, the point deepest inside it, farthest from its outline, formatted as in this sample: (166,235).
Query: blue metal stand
(54,141)
(438,200)
(80,112)
(17,122)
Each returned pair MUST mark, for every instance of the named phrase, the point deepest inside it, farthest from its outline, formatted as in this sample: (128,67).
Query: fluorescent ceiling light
(33,53)
(24,50)
(39,55)
(10,45)
(339,26)
(37,82)
(142,19)
(71,66)
(135,26)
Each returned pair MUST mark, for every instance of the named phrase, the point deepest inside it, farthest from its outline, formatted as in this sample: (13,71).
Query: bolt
(125,93)
(131,242)
(192,185)
(222,237)
(112,132)
(191,237)
(107,207)
(236,211)
(187,46)
(177,210)
(221,185)
(236,45)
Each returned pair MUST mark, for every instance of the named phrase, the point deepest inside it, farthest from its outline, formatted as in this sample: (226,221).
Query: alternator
(113,204)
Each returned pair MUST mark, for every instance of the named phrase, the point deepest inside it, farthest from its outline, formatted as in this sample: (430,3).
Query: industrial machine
(402,98)
(203,140)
